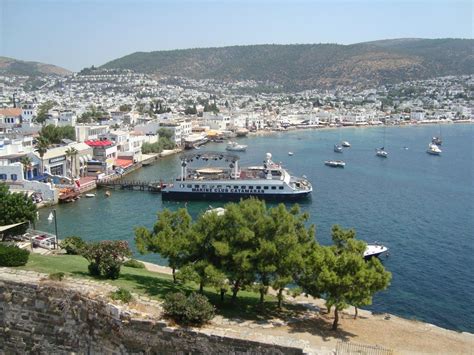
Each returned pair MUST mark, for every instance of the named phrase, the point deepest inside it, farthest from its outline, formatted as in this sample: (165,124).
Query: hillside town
(59,136)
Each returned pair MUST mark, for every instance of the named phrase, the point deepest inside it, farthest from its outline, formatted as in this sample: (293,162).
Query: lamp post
(56,229)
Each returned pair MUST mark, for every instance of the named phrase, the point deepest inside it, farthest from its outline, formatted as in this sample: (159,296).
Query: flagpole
(56,230)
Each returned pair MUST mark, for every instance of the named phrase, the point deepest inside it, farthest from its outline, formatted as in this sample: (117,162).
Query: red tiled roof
(123,163)
(10,112)
(99,143)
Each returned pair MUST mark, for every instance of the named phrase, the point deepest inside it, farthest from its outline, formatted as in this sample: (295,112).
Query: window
(281,187)
(14,177)
(274,188)
(242,187)
(189,186)
(251,187)
(196,186)
(265,187)
(3,176)
(258,187)
(236,187)
(57,170)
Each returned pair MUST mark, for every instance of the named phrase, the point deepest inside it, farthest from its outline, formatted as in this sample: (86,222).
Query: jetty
(151,186)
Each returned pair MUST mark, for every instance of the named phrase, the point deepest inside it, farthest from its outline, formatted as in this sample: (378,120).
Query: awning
(10,226)
(123,163)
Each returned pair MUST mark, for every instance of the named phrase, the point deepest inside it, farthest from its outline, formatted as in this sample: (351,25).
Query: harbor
(383,200)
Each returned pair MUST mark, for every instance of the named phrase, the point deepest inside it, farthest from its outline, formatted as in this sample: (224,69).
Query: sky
(79,33)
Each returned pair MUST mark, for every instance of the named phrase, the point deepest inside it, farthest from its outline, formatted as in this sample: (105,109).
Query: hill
(10,66)
(300,66)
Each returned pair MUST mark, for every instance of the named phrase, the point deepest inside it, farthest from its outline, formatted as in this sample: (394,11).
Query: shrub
(106,257)
(134,263)
(194,309)
(122,295)
(57,276)
(73,245)
(11,255)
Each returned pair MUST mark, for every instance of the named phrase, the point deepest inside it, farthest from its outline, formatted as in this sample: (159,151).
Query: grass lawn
(157,286)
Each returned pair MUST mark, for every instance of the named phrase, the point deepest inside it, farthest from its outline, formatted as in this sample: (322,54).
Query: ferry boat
(236,147)
(269,181)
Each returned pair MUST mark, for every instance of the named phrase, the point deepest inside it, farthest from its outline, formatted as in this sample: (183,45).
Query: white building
(90,132)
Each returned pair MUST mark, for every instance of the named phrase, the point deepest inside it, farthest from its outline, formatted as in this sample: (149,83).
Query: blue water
(420,206)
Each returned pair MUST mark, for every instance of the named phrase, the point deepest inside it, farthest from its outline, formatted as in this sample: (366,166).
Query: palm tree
(27,164)
(41,146)
(72,153)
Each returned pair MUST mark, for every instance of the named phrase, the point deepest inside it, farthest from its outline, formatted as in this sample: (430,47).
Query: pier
(151,186)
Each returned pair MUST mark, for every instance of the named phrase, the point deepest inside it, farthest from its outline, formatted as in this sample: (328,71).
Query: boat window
(273,187)
(251,187)
(281,187)
(258,187)
(219,186)
(236,187)
(242,187)
(196,186)
(189,185)
(265,187)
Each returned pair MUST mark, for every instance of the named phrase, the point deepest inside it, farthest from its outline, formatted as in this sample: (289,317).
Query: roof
(10,226)
(123,163)
(10,111)
(99,143)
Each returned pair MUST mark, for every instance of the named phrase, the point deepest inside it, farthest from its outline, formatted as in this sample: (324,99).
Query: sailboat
(50,217)
(381,152)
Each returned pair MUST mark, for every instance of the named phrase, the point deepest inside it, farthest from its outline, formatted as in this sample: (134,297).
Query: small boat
(338,148)
(335,163)
(235,147)
(380,152)
(345,144)
(433,149)
(436,140)
(374,249)
(90,195)
(107,194)
(290,154)
(50,217)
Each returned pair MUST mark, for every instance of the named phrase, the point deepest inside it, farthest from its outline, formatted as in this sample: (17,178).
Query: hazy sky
(78,33)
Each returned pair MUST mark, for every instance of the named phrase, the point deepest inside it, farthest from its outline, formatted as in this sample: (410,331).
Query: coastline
(383,329)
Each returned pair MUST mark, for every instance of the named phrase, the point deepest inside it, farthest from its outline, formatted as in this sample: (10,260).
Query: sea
(418,205)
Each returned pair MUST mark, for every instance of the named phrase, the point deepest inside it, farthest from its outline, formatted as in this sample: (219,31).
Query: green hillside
(302,66)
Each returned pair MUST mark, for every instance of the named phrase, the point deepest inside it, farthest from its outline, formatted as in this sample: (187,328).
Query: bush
(134,263)
(11,255)
(57,276)
(194,309)
(73,245)
(122,295)
(106,257)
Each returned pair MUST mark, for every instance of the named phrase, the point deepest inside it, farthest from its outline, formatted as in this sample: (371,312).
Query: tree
(27,165)
(125,108)
(42,113)
(340,273)
(71,153)
(106,257)
(41,147)
(54,134)
(169,237)
(15,208)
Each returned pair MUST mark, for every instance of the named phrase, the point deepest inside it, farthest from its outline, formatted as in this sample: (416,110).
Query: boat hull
(216,196)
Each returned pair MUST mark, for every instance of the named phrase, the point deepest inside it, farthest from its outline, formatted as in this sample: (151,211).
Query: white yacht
(270,181)
(345,144)
(433,149)
(235,147)
(381,152)
(335,163)
(374,250)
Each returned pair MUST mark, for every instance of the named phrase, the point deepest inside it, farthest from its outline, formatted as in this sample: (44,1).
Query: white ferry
(269,182)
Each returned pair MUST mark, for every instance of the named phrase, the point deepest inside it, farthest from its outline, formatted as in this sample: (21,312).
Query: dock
(151,186)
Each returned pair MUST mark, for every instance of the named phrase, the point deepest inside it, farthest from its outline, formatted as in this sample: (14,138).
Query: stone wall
(45,317)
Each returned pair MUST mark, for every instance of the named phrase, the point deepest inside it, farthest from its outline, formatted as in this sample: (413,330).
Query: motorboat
(290,154)
(236,147)
(345,144)
(374,249)
(381,152)
(335,163)
(90,195)
(338,148)
(433,149)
